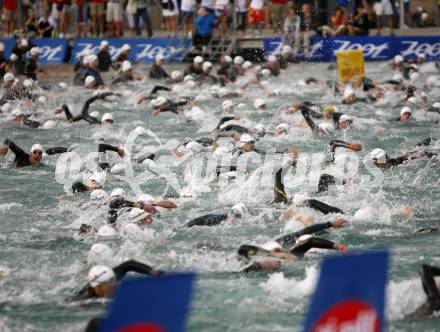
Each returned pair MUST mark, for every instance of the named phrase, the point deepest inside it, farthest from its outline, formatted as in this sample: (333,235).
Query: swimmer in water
(103,280)
(235,213)
(380,158)
(85,110)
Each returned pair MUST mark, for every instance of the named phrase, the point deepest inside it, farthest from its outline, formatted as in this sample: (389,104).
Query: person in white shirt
(384,11)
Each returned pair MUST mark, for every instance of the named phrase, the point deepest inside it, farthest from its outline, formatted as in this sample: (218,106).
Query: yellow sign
(351,65)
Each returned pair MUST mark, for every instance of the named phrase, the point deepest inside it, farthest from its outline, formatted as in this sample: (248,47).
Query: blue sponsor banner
(158,304)
(142,50)
(350,295)
(375,48)
(52,51)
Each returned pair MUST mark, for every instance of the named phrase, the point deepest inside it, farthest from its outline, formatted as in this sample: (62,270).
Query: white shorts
(130,20)
(383,8)
(168,13)
(114,12)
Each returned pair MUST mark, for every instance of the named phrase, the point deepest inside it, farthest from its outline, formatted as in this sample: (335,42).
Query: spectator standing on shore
(384,12)
(221,13)
(278,10)
(204,28)
(114,18)
(82,13)
(46,25)
(142,12)
(242,16)
(308,30)
(9,15)
(187,9)
(256,15)
(170,11)
(130,11)
(105,60)
(291,27)
(97,15)
(31,23)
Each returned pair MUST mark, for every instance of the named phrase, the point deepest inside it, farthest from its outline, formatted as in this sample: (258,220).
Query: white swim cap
(117,192)
(228,59)
(8,77)
(259,128)
(272,58)
(98,195)
(159,57)
(300,198)
(271,245)
(405,110)
(223,92)
(411,100)
(259,102)
(63,85)
(345,117)
(6,107)
(227,104)
(37,147)
(398,77)
(175,75)
(348,92)
(106,231)
(436,105)
(286,49)
(398,59)
(49,124)
(100,274)
(414,76)
(247,64)
(27,83)
(99,253)
(207,65)
(42,99)
(126,65)
(364,214)
(238,60)
(379,155)
(103,44)
(24,42)
(89,80)
(283,126)
(421,56)
(17,112)
(35,50)
(107,117)
(198,59)
(94,114)
(247,139)
(13,57)
(221,151)
(432,80)
(194,147)
(160,101)
(239,208)
(327,128)
(125,47)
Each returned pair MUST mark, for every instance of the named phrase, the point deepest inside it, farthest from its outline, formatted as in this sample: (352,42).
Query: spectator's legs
(389,19)
(146,18)
(119,20)
(379,24)
(101,18)
(298,43)
(137,18)
(307,36)
(94,17)
(109,19)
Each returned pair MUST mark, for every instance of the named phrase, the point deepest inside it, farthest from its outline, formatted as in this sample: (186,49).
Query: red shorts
(255,15)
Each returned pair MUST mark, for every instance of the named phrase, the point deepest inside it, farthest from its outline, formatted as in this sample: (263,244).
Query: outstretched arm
(135,266)
(305,112)
(322,207)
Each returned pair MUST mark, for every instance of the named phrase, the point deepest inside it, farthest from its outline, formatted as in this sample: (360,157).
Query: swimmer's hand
(156,111)
(140,99)
(339,223)
(237,117)
(121,152)
(165,204)
(149,208)
(4,150)
(355,147)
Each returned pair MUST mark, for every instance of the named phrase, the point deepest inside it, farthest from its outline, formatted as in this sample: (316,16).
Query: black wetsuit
(226,119)
(191,70)
(115,205)
(173,107)
(120,271)
(85,110)
(208,220)
(102,149)
(122,78)
(157,72)
(30,69)
(305,111)
(105,60)
(22,158)
(223,70)
(281,196)
(427,274)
